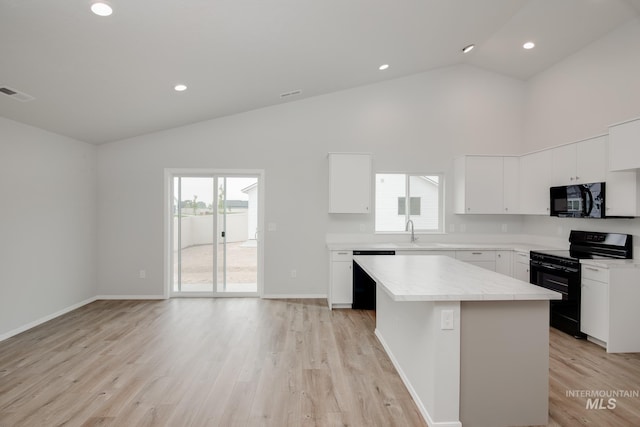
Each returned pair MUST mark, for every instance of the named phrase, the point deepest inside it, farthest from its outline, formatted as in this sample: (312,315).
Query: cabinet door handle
(343,253)
(476,253)
(592,269)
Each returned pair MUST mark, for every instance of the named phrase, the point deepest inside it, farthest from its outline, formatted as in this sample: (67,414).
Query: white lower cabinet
(608,306)
(484,259)
(521,266)
(341,287)
(594,309)
(504,262)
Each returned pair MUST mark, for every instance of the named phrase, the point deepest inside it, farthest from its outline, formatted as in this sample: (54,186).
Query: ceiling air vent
(290,94)
(14,94)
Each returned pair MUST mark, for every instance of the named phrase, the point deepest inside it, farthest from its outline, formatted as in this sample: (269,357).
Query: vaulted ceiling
(101,79)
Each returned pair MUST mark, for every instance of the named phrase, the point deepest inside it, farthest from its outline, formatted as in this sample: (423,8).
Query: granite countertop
(441,278)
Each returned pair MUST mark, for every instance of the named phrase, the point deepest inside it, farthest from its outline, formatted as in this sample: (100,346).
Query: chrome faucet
(406,228)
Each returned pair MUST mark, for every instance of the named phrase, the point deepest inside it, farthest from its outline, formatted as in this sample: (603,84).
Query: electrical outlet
(463,228)
(446,319)
(362,228)
(294,274)
(142,274)
(504,228)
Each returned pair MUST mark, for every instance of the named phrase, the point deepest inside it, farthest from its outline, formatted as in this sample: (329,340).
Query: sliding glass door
(215,235)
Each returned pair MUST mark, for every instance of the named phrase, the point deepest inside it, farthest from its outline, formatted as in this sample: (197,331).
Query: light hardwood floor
(248,362)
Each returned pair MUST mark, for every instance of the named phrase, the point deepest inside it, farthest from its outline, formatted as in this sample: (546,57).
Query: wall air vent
(290,94)
(14,94)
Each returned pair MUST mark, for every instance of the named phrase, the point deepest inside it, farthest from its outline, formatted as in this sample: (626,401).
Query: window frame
(407,176)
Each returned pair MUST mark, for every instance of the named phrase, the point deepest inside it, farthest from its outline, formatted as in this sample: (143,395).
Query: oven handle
(565,293)
(555,282)
(545,266)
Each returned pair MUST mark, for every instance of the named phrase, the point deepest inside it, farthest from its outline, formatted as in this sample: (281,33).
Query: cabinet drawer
(595,273)
(341,255)
(476,255)
(522,257)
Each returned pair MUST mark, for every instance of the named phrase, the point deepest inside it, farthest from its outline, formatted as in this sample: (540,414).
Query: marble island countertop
(441,278)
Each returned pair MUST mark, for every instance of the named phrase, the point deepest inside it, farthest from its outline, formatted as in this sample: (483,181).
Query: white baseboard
(132,297)
(45,319)
(294,296)
(412,391)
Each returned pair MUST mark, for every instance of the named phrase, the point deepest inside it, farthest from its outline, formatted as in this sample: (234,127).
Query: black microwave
(578,201)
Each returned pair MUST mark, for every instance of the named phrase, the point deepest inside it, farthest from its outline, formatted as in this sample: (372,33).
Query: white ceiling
(104,79)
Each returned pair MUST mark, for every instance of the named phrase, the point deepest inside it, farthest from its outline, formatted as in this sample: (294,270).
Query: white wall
(578,98)
(418,124)
(582,95)
(48,224)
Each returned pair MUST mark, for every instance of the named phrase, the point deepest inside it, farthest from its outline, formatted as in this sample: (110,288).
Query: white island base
(492,370)
(476,355)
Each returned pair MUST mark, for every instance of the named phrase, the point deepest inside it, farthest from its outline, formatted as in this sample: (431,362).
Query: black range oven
(560,271)
(560,274)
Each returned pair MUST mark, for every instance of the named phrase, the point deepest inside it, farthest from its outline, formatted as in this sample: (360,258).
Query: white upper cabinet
(486,185)
(622,193)
(535,181)
(591,160)
(511,186)
(624,146)
(579,163)
(563,165)
(349,183)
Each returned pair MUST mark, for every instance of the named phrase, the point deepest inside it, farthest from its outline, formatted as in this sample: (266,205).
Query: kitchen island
(471,345)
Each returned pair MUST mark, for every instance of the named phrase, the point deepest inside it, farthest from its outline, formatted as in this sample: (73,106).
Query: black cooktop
(591,245)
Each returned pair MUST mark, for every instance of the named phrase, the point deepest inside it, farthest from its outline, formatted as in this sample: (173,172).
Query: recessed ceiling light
(383,67)
(180,88)
(101,8)
(529,45)
(468,48)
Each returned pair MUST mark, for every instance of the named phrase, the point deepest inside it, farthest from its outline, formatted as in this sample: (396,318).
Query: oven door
(565,280)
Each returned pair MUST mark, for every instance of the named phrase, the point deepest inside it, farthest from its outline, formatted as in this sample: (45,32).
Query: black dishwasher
(364,287)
